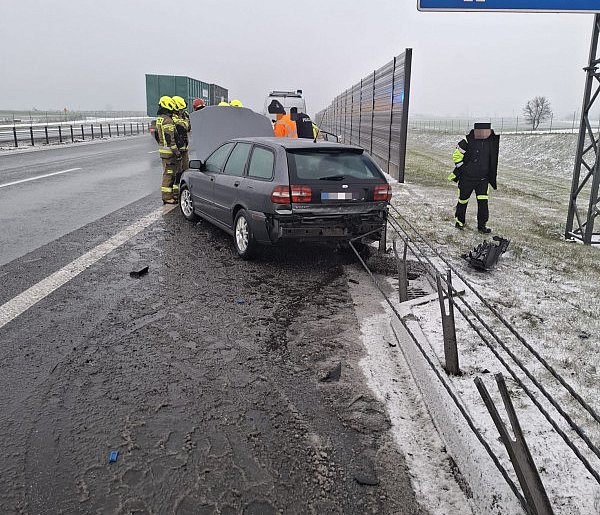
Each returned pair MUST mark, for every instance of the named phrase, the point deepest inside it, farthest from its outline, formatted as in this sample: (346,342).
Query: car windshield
(331,165)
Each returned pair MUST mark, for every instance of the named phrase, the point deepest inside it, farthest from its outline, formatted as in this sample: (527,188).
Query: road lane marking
(38,177)
(25,300)
(153,152)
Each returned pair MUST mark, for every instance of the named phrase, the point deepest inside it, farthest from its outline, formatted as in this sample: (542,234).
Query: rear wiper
(333,178)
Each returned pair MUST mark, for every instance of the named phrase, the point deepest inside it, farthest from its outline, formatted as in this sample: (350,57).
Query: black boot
(484,230)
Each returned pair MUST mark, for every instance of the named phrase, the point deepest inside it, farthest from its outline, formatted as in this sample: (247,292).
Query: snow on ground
(540,153)
(546,287)
(390,379)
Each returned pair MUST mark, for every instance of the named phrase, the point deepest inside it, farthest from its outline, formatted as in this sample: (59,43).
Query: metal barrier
(373,114)
(20,135)
(505,343)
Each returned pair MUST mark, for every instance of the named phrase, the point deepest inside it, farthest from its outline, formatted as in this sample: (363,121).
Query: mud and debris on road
(214,405)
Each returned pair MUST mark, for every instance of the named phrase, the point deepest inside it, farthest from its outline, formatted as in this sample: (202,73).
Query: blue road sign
(548,6)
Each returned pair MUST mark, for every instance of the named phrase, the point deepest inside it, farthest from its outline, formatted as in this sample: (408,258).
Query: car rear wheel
(186,204)
(243,238)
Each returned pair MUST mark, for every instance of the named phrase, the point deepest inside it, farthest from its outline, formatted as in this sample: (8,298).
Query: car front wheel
(243,238)
(186,204)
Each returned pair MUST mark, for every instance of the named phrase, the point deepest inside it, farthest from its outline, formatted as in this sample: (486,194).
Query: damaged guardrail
(441,272)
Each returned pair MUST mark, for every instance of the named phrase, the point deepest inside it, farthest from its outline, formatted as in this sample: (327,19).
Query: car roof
(297,143)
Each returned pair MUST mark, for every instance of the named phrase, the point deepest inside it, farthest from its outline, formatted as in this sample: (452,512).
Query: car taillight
(382,192)
(281,195)
(301,194)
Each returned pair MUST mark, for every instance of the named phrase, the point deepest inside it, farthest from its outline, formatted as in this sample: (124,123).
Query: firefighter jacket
(285,127)
(165,135)
(476,160)
(182,127)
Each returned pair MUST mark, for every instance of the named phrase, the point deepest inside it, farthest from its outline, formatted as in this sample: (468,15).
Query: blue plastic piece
(113,456)
(240,301)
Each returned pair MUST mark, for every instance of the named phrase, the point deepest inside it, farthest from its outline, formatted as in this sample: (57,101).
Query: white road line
(38,177)
(153,152)
(22,302)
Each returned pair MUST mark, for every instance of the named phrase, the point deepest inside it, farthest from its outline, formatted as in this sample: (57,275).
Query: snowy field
(546,287)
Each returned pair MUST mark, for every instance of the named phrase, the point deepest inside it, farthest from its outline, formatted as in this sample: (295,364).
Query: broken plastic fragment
(113,456)
(138,273)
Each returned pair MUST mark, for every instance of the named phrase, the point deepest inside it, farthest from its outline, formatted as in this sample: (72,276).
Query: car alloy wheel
(243,237)
(186,204)
(242,234)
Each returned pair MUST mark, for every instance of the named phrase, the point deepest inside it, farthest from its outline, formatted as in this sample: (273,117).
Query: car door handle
(236,183)
(212,179)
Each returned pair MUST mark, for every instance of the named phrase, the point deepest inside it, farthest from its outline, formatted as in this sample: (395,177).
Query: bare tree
(536,111)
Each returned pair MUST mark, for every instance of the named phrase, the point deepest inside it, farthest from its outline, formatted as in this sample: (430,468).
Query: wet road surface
(45,194)
(204,374)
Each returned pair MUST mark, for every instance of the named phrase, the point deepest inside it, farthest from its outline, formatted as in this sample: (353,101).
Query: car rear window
(331,165)
(261,163)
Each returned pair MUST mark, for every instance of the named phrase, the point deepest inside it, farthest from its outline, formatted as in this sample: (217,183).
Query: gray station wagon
(266,190)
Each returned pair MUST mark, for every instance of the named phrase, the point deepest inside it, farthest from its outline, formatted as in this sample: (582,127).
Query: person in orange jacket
(284,126)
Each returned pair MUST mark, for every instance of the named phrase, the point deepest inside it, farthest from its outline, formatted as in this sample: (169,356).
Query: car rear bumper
(305,227)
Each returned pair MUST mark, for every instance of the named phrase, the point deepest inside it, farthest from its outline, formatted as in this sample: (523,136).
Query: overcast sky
(93,54)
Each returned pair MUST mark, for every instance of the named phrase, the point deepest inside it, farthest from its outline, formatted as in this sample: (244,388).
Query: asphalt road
(205,374)
(104,177)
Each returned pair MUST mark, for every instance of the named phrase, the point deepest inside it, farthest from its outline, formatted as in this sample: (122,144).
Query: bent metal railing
(488,323)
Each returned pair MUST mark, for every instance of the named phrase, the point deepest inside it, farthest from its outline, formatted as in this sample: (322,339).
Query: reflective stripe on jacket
(165,129)
(285,127)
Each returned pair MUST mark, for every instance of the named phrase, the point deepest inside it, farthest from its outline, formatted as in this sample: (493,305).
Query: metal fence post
(124,130)
(118,129)
(137,127)
(92,130)
(372,112)
(109,131)
(448,326)
(402,273)
(360,110)
(131,129)
(72,137)
(101,132)
(31,135)
(46,132)
(82,133)
(15,136)
(518,451)
(60,134)
(391,117)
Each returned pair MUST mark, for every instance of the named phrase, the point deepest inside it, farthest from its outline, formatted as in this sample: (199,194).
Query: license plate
(339,196)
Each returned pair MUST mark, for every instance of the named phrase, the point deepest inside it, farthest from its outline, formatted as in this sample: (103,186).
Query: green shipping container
(185,87)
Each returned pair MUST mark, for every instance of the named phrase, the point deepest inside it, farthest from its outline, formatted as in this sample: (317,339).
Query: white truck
(288,99)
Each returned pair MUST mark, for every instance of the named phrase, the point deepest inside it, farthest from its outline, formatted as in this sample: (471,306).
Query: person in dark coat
(475,170)
(304,124)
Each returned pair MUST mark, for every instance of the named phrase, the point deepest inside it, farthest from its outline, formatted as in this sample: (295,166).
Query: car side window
(236,164)
(261,163)
(216,161)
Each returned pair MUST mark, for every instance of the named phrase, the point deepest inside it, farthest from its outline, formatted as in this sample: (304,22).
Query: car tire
(243,237)
(186,204)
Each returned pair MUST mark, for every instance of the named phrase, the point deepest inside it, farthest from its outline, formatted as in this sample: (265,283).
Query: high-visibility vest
(285,128)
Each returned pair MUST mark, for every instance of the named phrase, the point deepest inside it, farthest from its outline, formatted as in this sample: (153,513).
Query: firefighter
(475,169)
(182,128)
(167,148)
(284,126)
(236,103)
(198,104)
(223,104)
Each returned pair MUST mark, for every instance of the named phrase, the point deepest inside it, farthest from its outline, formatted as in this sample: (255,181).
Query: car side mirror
(196,164)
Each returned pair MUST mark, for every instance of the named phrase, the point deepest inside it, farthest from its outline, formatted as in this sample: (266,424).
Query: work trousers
(182,165)
(168,178)
(465,189)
